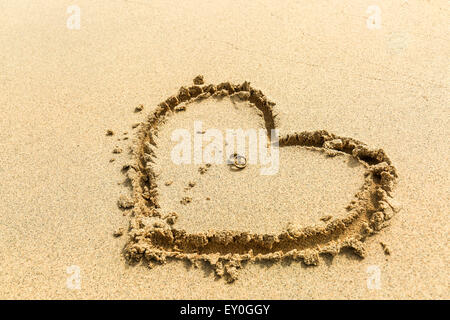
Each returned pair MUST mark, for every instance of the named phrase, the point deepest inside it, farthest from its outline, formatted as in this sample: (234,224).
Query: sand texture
(90,192)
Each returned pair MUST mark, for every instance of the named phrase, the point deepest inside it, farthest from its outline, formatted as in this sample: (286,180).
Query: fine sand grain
(322,227)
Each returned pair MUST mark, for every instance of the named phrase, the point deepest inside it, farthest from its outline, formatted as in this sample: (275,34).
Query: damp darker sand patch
(155,237)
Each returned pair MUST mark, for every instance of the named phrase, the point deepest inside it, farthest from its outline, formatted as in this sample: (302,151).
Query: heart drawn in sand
(154,237)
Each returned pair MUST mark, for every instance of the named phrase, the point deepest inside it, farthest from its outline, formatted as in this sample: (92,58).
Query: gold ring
(238,161)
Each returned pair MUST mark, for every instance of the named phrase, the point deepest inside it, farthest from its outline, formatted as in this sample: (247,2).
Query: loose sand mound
(153,233)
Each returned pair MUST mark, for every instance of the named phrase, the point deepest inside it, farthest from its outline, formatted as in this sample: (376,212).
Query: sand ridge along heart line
(155,239)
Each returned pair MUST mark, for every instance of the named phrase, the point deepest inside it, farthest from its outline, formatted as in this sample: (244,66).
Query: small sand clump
(125,202)
(386,249)
(198,80)
(185,200)
(190,185)
(171,218)
(204,169)
(180,108)
(326,218)
(334,144)
(118,233)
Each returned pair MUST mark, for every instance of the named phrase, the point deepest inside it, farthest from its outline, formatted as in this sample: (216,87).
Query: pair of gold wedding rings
(238,161)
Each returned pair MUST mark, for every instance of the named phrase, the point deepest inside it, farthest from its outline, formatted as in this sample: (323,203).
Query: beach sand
(62,89)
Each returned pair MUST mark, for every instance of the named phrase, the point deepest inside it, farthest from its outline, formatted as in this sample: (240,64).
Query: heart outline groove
(154,238)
